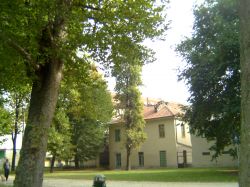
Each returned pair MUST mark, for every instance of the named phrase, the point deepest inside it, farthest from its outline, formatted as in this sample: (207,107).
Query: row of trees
(38,39)
(80,120)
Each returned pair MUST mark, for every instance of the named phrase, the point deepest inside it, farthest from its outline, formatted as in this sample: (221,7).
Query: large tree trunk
(245,93)
(42,106)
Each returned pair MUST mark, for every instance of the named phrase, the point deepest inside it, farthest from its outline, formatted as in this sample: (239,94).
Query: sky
(160,78)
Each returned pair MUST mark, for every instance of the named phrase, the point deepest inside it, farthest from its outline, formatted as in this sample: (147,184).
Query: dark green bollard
(99,181)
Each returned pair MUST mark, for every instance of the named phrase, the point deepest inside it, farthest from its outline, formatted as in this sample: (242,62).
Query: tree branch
(90,7)
(23,53)
(19,49)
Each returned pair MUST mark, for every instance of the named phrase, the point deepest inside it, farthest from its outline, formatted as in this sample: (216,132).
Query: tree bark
(13,162)
(77,166)
(14,134)
(52,164)
(42,106)
(128,164)
(244,178)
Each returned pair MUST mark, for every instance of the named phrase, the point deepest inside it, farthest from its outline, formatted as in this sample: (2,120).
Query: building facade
(168,141)
(202,155)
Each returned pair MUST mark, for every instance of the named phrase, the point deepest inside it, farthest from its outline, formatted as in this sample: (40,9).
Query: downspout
(176,140)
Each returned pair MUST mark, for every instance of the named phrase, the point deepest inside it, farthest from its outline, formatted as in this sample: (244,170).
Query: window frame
(118,162)
(206,153)
(183,130)
(141,159)
(163,158)
(161,128)
(117,135)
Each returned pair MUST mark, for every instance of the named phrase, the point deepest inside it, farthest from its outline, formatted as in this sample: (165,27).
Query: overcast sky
(160,77)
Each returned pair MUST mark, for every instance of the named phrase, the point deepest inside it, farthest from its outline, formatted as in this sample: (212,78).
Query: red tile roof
(167,110)
(159,109)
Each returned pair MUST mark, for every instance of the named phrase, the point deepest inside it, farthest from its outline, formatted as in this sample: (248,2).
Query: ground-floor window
(118,160)
(2,154)
(141,159)
(163,159)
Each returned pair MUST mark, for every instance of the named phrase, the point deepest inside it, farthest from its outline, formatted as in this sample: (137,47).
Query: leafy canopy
(88,106)
(212,72)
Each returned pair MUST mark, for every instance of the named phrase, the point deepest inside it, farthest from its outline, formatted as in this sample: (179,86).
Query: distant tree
(244,10)
(213,74)
(18,103)
(128,96)
(88,138)
(46,35)
(59,141)
(89,108)
(5,120)
(15,106)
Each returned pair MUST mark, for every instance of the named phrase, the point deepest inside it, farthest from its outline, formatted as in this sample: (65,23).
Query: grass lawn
(3,185)
(160,175)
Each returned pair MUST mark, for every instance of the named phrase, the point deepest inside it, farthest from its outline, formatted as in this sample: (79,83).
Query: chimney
(159,106)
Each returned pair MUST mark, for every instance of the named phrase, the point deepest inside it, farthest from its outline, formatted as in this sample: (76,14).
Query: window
(183,132)
(117,135)
(2,154)
(118,160)
(141,159)
(205,153)
(161,131)
(163,159)
(225,152)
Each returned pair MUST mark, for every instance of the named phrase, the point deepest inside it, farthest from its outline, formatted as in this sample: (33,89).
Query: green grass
(5,185)
(159,175)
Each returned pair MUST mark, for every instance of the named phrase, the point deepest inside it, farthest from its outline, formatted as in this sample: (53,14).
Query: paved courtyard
(89,183)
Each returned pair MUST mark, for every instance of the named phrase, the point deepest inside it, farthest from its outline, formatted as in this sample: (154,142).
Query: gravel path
(89,183)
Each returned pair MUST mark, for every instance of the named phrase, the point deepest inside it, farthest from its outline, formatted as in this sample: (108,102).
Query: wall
(180,139)
(151,147)
(183,143)
(201,146)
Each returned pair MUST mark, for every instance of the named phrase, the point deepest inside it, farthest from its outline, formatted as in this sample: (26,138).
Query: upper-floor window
(161,131)
(117,135)
(183,131)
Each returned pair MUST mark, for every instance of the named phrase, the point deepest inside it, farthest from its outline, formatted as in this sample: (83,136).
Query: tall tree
(46,35)
(87,103)
(245,93)
(59,141)
(128,80)
(212,73)
(88,139)
(18,104)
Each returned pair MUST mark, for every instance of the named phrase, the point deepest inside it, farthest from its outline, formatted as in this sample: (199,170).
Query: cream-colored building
(168,141)
(202,156)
